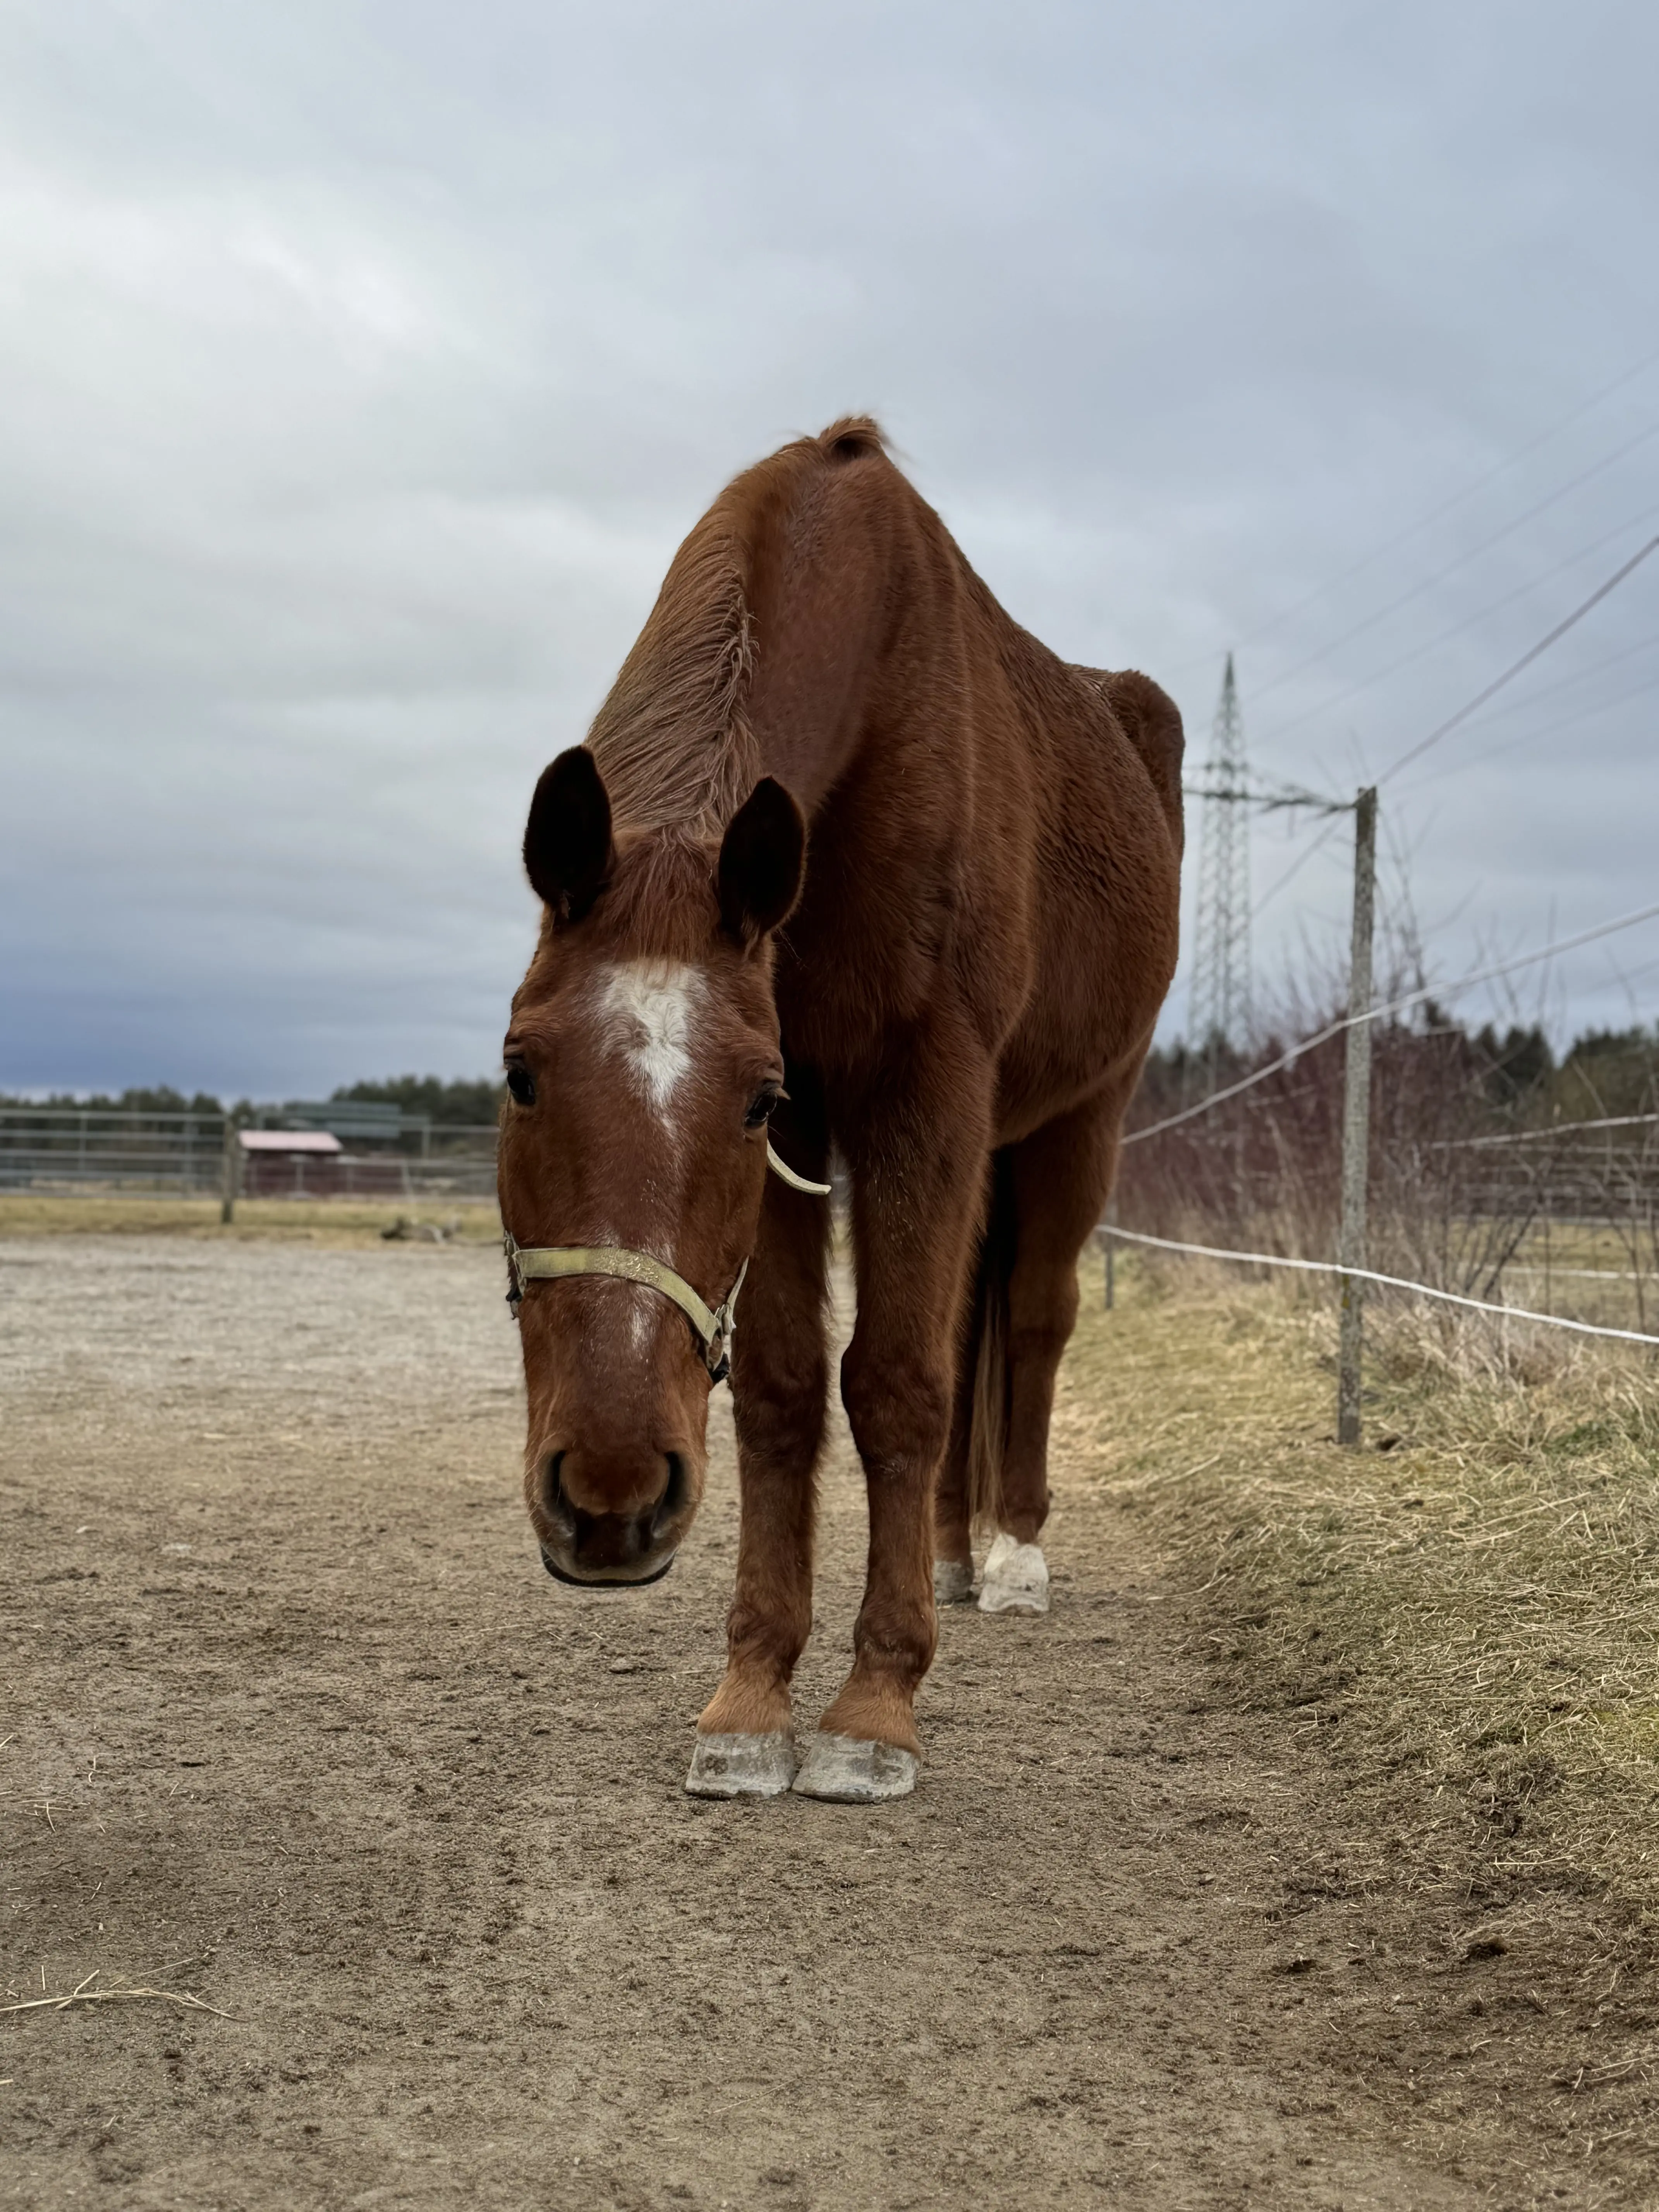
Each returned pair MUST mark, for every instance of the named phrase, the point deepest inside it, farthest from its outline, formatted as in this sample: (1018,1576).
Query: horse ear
(763,859)
(566,841)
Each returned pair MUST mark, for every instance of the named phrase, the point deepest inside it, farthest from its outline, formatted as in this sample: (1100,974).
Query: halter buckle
(716,1357)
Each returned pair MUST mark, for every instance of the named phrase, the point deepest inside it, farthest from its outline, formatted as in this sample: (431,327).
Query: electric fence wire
(1551,1129)
(1436,991)
(1369,1275)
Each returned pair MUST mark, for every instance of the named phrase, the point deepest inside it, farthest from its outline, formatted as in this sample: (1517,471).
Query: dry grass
(1466,1622)
(293,1221)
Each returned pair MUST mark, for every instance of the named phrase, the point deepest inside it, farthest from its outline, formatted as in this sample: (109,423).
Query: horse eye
(522,1085)
(761,1105)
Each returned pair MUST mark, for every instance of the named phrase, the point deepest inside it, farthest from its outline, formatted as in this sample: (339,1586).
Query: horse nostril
(557,1506)
(669,1506)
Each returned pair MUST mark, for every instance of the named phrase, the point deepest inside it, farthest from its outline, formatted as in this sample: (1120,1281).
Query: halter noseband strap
(547,1263)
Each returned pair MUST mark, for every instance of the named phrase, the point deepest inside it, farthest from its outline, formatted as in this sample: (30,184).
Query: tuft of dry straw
(1465,1622)
(83,1993)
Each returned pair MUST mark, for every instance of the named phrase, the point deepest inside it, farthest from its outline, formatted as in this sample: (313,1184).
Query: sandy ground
(294,1720)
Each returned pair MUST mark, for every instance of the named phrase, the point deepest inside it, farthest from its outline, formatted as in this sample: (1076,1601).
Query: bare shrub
(1476,1186)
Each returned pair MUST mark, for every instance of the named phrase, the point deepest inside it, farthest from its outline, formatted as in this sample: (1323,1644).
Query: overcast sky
(361,365)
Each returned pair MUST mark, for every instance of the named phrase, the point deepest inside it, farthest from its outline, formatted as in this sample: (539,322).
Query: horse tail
(987,1347)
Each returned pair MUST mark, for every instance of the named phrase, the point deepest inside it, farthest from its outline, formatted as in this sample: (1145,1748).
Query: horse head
(643,1065)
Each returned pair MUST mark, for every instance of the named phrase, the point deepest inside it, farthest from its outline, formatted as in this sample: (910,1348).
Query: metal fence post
(228,1173)
(1111,1242)
(1356,1119)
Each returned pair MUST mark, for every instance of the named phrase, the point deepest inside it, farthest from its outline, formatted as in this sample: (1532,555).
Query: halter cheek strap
(712,1324)
(788,1176)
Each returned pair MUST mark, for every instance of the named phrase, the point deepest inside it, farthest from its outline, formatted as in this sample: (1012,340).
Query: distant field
(326,1221)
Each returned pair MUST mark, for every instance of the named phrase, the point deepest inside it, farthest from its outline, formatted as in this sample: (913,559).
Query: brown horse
(847,859)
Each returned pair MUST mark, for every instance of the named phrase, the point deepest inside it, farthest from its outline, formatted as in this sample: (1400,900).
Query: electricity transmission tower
(1218,1017)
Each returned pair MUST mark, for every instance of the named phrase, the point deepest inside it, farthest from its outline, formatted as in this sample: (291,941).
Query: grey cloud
(362,368)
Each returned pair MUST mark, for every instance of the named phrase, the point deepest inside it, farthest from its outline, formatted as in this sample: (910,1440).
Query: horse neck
(852,582)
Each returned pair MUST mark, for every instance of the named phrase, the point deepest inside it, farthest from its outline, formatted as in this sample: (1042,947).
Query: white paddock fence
(106,1151)
(1108,1230)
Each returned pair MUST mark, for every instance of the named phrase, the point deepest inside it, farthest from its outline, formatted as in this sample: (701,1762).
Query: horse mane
(673,740)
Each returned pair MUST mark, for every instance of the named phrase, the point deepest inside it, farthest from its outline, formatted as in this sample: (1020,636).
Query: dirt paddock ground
(294,1721)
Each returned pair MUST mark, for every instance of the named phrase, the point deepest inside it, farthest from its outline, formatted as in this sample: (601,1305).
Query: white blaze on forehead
(648,1006)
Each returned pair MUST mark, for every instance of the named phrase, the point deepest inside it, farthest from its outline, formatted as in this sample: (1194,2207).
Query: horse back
(990,829)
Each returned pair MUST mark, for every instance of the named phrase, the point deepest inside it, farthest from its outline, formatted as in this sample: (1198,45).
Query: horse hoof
(849,1770)
(953,1582)
(742,1765)
(1016,1578)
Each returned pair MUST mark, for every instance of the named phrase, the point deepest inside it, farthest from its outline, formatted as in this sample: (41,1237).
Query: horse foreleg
(916,1194)
(779,1383)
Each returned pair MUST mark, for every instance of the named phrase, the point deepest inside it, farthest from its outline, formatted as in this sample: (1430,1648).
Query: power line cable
(1509,744)
(1295,867)
(1445,506)
(1525,661)
(1395,1006)
(1445,636)
(1578,676)
(1530,737)
(1473,553)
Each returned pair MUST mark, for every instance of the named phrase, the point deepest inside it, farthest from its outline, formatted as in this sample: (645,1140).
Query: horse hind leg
(1056,1182)
(953,1495)
(953,1543)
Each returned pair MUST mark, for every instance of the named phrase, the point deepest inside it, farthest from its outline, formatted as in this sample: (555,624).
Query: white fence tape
(1367,1275)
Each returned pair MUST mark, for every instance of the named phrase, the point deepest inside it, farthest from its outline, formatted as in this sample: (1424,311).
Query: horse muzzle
(600,1548)
(561,1574)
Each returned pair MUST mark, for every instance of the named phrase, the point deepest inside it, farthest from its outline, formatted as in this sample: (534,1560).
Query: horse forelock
(659,903)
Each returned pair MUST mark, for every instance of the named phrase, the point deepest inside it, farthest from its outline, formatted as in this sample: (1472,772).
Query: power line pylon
(1218,1005)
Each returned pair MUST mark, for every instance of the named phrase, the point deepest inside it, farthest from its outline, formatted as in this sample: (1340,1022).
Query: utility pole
(1357,1119)
(1219,1016)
